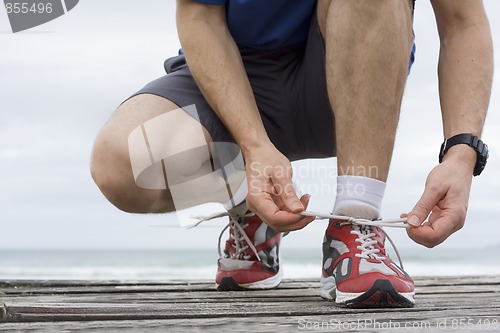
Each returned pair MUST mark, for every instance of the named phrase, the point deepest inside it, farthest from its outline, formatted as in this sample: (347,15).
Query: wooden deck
(457,304)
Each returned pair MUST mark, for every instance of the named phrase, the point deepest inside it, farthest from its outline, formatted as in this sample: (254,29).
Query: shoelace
(241,240)
(392,223)
(361,227)
(367,248)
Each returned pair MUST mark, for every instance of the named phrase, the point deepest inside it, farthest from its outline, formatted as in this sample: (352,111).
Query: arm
(465,78)
(216,65)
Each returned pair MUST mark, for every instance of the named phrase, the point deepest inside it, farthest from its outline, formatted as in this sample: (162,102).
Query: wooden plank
(288,283)
(85,287)
(195,305)
(280,295)
(19,311)
(34,289)
(427,320)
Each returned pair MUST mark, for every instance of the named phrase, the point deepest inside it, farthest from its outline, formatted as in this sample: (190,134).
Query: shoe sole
(381,295)
(228,284)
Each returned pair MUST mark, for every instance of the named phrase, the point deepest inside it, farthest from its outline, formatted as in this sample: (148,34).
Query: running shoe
(251,256)
(358,273)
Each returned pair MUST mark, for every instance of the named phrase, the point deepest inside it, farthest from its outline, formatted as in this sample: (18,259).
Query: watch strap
(472,141)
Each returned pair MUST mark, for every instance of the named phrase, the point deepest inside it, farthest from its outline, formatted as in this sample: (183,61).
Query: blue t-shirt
(267,24)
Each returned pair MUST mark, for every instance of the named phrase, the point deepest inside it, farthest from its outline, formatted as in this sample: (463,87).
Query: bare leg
(111,163)
(368,45)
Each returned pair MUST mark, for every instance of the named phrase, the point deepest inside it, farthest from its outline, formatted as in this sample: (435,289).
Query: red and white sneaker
(251,256)
(358,273)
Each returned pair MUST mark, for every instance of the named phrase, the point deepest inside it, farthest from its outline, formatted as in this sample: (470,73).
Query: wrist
(250,144)
(463,155)
(478,155)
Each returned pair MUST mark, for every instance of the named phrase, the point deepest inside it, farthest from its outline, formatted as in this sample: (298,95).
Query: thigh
(180,88)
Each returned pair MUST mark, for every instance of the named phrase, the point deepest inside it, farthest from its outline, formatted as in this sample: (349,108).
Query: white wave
(106,273)
(290,271)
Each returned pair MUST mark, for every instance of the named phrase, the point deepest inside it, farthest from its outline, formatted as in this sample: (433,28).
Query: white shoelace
(240,238)
(239,235)
(361,228)
(367,249)
(392,223)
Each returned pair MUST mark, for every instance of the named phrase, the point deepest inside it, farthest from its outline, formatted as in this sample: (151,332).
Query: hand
(270,190)
(445,198)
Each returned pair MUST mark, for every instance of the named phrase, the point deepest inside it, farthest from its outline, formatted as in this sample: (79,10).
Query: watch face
(482,157)
(486,152)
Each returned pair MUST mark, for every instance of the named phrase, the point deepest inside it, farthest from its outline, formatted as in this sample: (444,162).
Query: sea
(193,264)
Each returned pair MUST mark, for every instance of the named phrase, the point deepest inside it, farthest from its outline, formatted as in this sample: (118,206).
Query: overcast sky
(61,81)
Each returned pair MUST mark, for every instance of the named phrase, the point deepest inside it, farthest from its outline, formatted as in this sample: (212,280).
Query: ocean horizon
(194,264)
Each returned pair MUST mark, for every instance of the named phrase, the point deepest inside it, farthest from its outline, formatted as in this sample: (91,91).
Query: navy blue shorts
(290,89)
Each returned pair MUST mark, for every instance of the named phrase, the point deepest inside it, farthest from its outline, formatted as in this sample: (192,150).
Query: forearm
(465,77)
(216,65)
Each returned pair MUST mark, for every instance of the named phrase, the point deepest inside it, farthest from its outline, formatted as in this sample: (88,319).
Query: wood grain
(195,306)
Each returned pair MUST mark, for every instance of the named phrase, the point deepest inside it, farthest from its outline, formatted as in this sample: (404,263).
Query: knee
(111,171)
(108,170)
(111,165)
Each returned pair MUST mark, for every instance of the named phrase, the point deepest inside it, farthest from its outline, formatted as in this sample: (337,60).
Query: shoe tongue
(366,229)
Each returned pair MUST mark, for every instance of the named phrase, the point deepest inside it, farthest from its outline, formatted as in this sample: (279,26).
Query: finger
(279,202)
(263,200)
(301,223)
(305,199)
(430,235)
(280,220)
(284,189)
(436,231)
(286,221)
(281,205)
(303,220)
(261,203)
(435,214)
(432,195)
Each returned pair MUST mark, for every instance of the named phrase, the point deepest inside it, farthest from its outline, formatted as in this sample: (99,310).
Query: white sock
(359,197)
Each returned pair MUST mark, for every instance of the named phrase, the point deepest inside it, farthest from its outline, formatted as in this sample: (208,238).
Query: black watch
(474,142)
